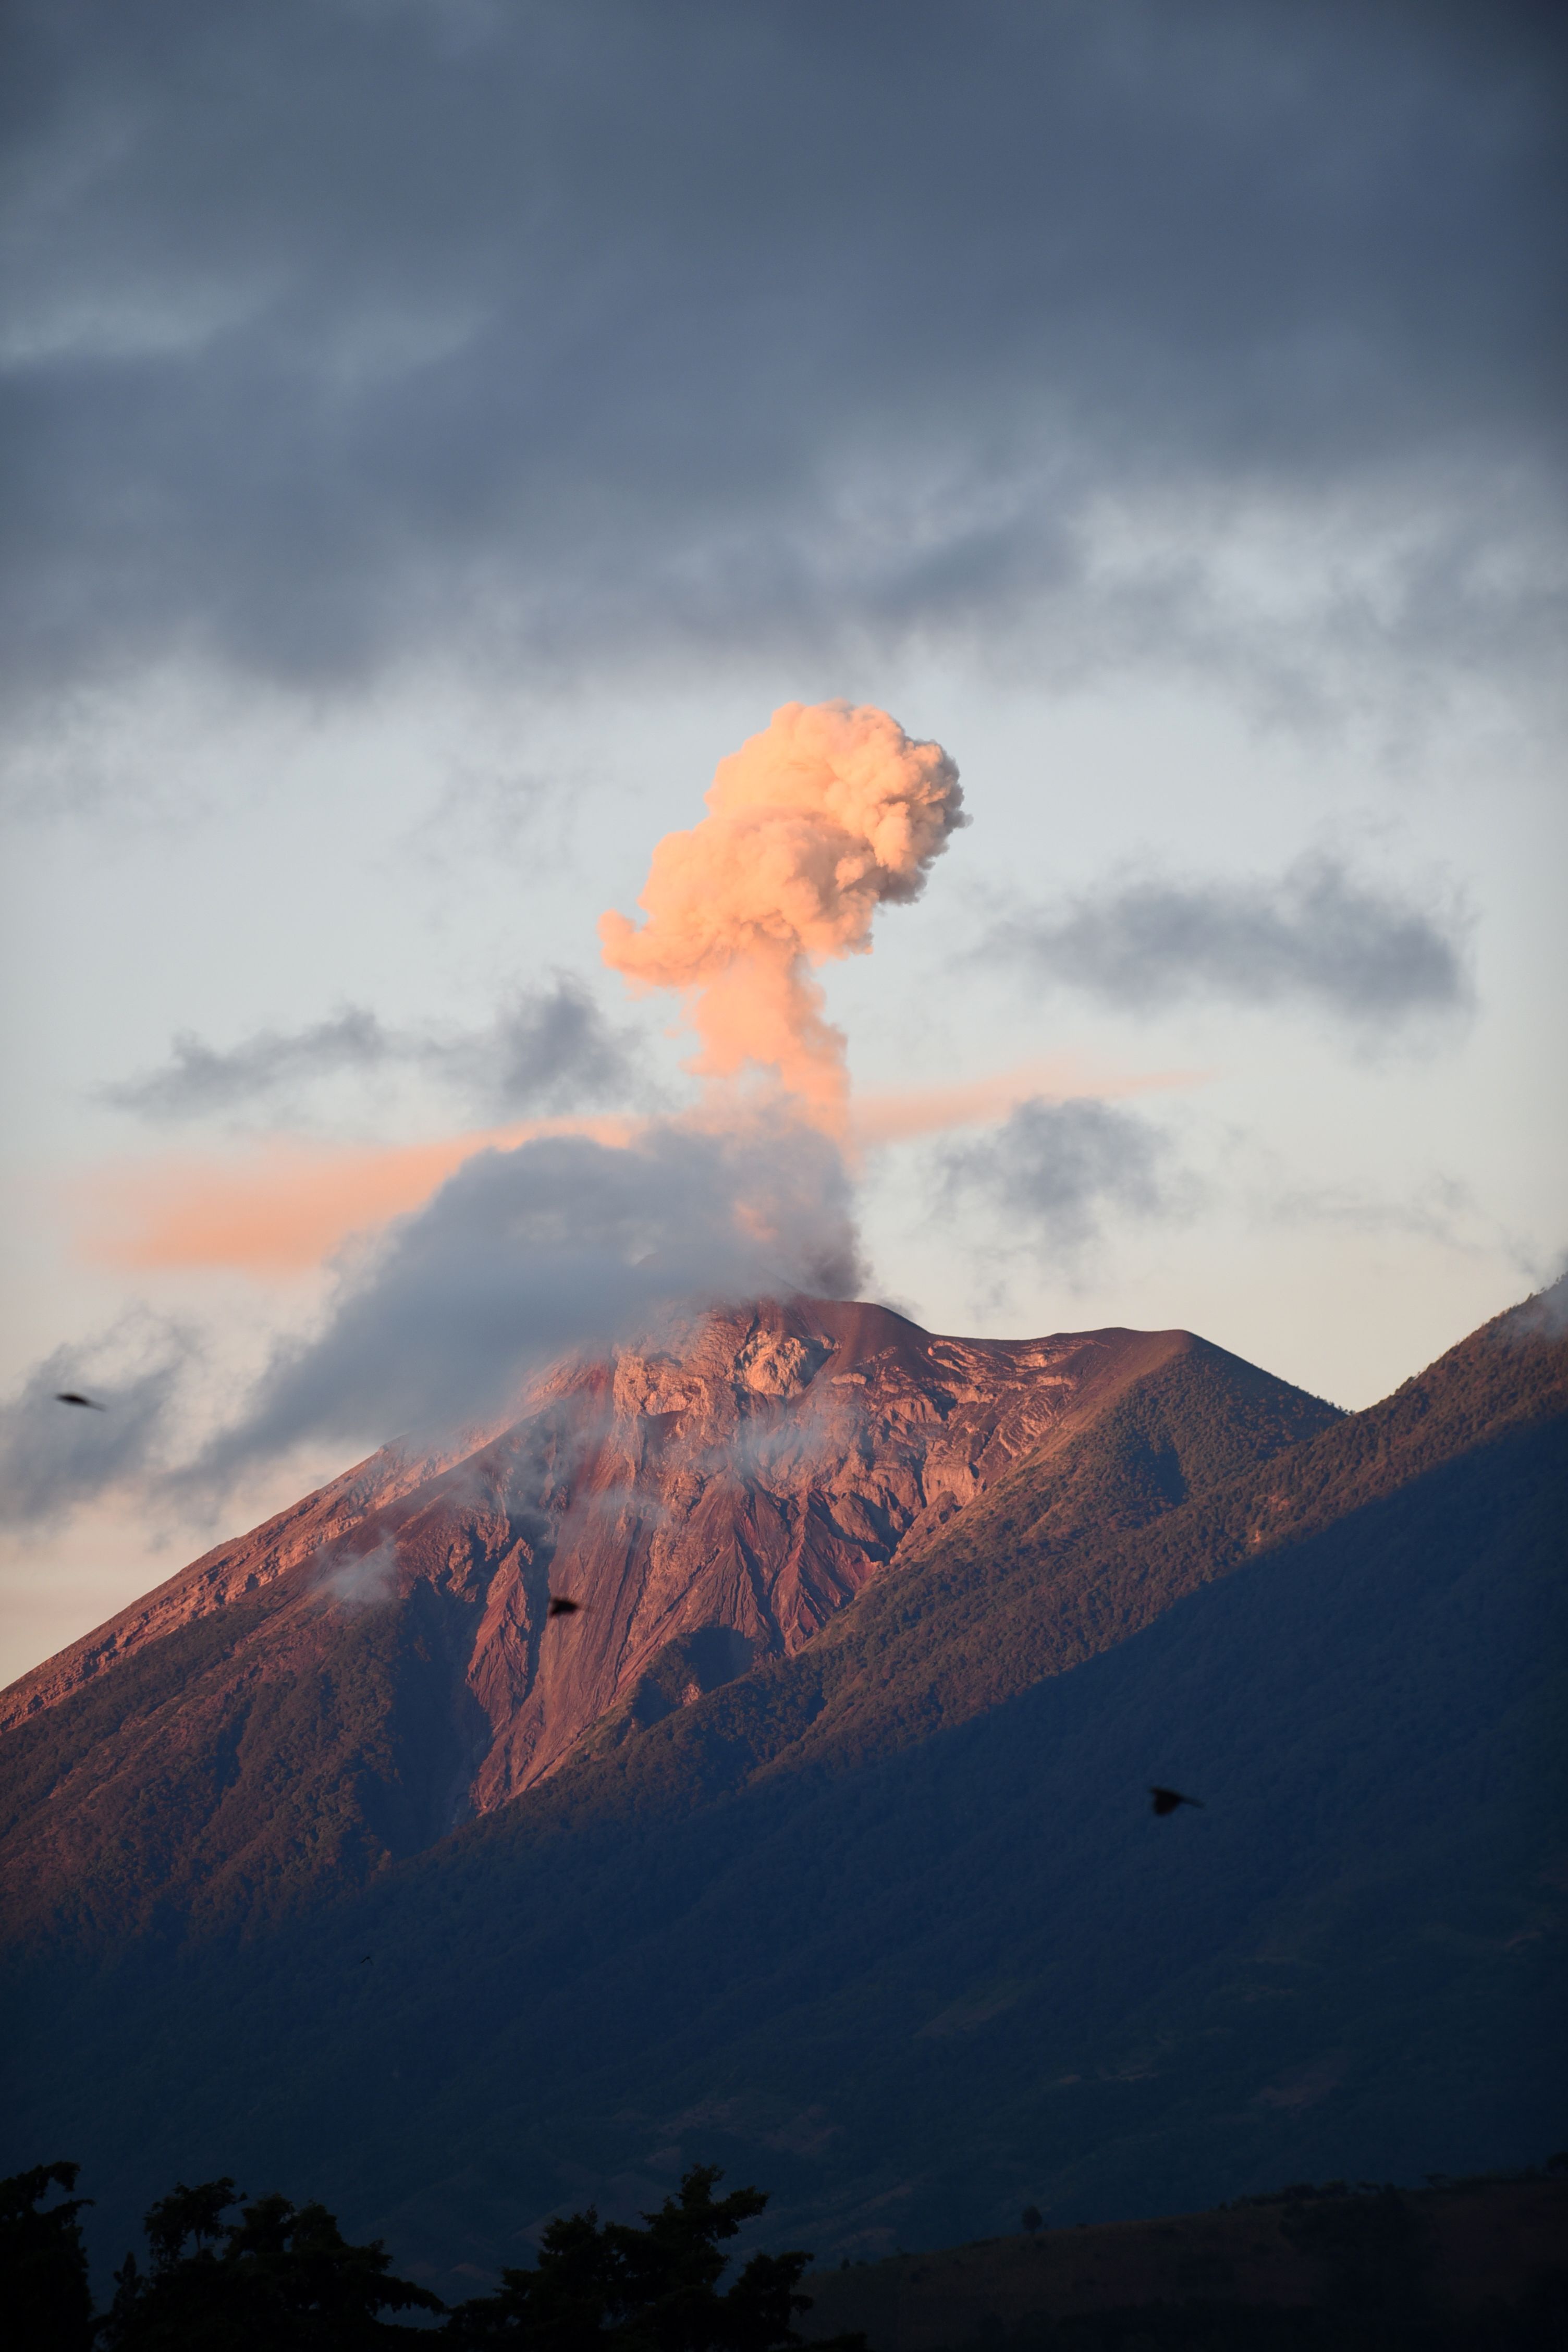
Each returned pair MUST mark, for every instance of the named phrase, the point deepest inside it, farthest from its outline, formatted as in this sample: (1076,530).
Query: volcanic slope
(346,1685)
(888,1926)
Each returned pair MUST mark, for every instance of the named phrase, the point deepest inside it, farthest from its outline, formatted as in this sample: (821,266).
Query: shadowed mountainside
(888,1923)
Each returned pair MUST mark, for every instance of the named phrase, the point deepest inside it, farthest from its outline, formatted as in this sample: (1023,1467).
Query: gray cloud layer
(521,1257)
(1053,1170)
(339,332)
(1316,934)
(549,1049)
(54,1457)
(525,1255)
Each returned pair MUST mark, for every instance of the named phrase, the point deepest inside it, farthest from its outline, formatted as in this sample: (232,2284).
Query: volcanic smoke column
(813,824)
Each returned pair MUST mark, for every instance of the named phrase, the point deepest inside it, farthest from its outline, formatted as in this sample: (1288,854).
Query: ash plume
(829,813)
(561,1244)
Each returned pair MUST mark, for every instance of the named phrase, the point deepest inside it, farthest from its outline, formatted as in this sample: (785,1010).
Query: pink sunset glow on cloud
(897,1114)
(286,1205)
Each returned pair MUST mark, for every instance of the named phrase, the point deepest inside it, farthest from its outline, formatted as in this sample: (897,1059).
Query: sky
(661,652)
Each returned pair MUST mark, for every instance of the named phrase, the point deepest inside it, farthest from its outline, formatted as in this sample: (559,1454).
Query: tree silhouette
(281,2276)
(43,2264)
(608,2287)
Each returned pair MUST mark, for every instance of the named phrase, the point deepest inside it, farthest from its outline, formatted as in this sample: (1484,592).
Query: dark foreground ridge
(887,1917)
(1470,2262)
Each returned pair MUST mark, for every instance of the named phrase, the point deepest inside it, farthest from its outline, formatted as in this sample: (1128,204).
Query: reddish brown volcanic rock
(231,1572)
(372,1667)
(728,1495)
(744,1480)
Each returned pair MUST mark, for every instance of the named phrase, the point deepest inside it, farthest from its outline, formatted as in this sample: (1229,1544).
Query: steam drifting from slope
(815,823)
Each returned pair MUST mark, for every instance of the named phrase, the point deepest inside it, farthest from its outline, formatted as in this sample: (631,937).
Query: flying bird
(561,1607)
(1167,1799)
(70,1396)
(363,1960)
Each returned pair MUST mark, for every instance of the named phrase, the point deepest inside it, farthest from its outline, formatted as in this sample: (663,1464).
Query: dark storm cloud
(548,1049)
(1052,1171)
(1316,934)
(576,328)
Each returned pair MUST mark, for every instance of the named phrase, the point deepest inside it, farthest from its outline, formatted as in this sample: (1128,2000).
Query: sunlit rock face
(747,1475)
(709,1497)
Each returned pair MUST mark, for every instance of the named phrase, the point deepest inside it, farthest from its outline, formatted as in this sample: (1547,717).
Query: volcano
(817,1840)
(381,1657)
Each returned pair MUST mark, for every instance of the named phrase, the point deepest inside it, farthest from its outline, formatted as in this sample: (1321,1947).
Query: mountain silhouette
(827,1850)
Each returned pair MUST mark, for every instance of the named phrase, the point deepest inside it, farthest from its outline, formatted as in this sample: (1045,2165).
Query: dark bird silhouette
(561,1607)
(70,1396)
(1167,1799)
(362,1962)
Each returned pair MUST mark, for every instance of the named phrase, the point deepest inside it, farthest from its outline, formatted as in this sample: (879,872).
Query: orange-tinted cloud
(813,824)
(286,1205)
(895,1114)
